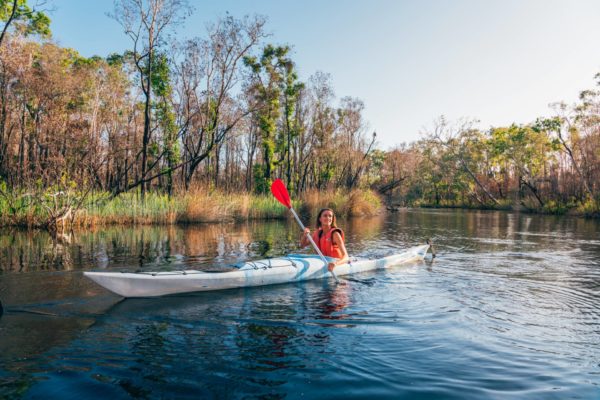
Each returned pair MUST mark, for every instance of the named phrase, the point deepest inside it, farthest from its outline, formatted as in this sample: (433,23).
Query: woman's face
(326,218)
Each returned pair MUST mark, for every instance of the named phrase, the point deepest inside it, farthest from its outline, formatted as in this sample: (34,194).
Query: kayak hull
(292,268)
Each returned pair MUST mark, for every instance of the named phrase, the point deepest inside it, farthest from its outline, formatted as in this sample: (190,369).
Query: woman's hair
(333,220)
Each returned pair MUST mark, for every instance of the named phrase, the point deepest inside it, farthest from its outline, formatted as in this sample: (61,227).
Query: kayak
(271,271)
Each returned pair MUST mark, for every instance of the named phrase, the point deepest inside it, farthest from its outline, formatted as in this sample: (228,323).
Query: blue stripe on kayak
(301,270)
(258,264)
(329,259)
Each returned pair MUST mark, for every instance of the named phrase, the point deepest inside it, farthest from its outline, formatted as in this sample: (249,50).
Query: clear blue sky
(499,61)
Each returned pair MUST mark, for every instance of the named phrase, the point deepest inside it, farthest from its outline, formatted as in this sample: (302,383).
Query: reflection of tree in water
(364,228)
(148,247)
(23,251)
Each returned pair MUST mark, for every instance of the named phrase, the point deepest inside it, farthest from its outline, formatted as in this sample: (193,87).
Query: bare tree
(208,78)
(147,22)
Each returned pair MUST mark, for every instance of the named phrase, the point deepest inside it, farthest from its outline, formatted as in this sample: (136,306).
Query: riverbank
(204,206)
(588,209)
(198,206)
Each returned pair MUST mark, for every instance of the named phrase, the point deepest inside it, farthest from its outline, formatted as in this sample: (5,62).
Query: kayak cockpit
(291,260)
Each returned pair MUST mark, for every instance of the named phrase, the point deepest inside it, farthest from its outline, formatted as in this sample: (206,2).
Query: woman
(328,237)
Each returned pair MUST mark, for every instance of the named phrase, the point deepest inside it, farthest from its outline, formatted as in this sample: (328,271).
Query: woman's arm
(337,240)
(304,238)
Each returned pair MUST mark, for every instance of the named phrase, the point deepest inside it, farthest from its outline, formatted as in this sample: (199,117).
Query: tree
(565,128)
(459,141)
(291,91)
(350,142)
(527,150)
(26,20)
(266,87)
(207,78)
(401,168)
(146,22)
(165,116)
(317,158)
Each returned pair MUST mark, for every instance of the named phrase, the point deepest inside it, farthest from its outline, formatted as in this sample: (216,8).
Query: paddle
(281,194)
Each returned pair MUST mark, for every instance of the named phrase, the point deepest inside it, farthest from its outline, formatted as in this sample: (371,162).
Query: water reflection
(510,302)
(240,337)
(142,247)
(335,299)
(20,250)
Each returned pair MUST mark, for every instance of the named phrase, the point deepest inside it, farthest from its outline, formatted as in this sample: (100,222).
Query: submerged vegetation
(130,138)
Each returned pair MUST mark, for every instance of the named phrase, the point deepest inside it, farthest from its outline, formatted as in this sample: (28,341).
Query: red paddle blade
(280,192)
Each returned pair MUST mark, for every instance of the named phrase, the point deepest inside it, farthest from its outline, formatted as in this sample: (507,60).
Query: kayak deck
(291,268)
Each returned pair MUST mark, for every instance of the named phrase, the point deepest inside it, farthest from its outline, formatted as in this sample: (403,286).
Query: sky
(495,61)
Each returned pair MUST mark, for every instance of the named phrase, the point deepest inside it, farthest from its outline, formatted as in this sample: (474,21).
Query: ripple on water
(509,309)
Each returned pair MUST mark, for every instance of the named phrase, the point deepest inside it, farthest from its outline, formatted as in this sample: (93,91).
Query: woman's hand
(331,266)
(304,238)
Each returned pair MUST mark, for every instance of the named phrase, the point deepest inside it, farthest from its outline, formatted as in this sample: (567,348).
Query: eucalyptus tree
(351,144)
(528,152)
(146,23)
(577,130)
(266,89)
(208,87)
(400,172)
(461,141)
(318,156)
(26,20)
(291,92)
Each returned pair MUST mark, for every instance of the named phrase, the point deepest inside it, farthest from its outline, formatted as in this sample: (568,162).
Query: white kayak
(291,268)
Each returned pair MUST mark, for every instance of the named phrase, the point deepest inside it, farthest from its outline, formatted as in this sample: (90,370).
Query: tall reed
(195,206)
(355,203)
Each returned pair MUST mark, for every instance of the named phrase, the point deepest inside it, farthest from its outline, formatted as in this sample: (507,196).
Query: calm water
(510,308)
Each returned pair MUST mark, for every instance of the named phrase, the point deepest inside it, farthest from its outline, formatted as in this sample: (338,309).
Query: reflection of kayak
(291,268)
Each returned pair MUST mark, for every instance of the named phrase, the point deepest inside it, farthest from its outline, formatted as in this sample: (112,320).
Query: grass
(590,208)
(200,206)
(203,206)
(197,206)
(345,204)
(129,209)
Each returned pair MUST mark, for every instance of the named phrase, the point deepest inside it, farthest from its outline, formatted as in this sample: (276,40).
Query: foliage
(24,19)
(229,113)
(268,84)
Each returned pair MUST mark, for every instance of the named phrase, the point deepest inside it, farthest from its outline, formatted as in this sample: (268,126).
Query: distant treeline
(551,165)
(227,112)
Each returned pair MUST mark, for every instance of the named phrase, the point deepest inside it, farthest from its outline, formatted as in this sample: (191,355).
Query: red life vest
(326,244)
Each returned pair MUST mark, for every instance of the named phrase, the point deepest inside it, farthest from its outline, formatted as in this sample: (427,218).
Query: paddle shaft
(313,243)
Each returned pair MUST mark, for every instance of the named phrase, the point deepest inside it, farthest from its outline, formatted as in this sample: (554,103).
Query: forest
(224,114)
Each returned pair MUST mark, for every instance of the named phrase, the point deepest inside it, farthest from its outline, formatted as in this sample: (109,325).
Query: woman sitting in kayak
(328,237)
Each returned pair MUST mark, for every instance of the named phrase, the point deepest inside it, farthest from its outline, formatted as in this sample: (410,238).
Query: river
(509,308)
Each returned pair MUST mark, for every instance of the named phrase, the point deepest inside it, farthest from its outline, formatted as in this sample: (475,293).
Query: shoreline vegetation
(203,206)
(185,130)
(98,210)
